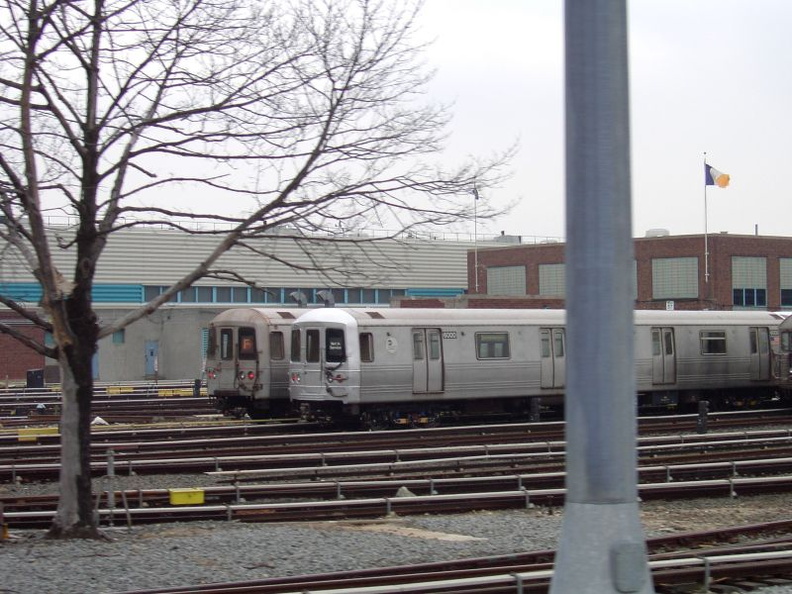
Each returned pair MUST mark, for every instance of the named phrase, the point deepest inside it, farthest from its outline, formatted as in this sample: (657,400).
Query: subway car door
(553,357)
(760,354)
(663,356)
(427,360)
(313,372)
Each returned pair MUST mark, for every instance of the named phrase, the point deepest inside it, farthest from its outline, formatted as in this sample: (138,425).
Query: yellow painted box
(186,496)
(33,433)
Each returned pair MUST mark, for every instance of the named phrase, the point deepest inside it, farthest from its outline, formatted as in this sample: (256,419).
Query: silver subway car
(784,360)
(410,367)
(247,367)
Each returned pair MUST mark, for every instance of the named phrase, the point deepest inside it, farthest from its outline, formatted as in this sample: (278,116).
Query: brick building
(733,272)
(15,360)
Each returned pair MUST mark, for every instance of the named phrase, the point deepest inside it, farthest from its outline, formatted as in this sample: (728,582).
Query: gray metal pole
(602,548)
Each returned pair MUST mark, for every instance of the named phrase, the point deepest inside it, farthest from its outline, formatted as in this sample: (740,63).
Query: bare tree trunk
(75,515)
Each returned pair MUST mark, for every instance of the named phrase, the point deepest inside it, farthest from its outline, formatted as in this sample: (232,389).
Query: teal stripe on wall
(31,293)
(434,292)
(118,293)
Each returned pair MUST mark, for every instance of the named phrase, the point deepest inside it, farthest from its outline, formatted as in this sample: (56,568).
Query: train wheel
(373,422)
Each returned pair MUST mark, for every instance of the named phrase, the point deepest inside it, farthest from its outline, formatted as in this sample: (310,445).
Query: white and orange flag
(713,177)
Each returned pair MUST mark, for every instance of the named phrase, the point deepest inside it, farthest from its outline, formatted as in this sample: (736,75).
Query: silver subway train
(247,364)
(784,359)
(386,367)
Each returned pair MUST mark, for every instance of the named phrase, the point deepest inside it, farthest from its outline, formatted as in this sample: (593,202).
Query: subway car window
(226,344)
(418,346)
(247,343)
(211,347)
(295,345)
(558,338)
(786,342)
(312,346)
(545,344)
(656,352)
(434,346)
(277,346)
(493,345)
(366,347)
(336,349)
(713,342)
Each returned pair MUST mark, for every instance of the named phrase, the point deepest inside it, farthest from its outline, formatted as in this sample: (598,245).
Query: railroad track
(756,462)
(683,562)
(488,481)
(328,455)
(128,403)
(397,504)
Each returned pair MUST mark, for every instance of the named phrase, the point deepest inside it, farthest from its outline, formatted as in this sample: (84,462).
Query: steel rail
(339,489)
(535,563)
(337,462)
(400,505)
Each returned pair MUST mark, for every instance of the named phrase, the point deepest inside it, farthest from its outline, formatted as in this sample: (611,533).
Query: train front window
(211,347)
(312,346)
(247,343)
(226,344)
(786,342)
(335,349)
(295,345)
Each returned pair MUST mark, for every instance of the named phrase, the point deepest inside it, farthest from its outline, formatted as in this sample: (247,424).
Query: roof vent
(657,233)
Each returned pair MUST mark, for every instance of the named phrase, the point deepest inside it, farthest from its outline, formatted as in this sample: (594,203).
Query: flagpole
(706,246)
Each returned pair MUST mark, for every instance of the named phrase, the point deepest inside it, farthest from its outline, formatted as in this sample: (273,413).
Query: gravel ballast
(168,555)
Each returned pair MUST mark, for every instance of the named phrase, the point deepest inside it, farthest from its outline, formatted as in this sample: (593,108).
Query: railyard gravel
(168,555)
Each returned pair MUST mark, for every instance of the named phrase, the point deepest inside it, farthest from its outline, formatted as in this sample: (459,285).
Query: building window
(675,278)
(204,294)
(552,281)
(240,295)
(223,294)
(187,296)
(786,281)
(119,336)
(506,280)
(749,281)
(150,292)
(749,297)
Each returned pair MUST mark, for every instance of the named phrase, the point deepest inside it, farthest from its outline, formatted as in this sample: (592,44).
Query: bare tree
(300,113)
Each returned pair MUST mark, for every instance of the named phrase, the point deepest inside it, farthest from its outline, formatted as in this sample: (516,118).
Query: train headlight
(211,374)
(295,378)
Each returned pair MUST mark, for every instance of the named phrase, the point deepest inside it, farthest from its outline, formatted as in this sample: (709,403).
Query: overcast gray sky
(710,76)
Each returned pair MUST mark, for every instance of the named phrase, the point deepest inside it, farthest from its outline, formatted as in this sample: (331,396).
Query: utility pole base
(602,550)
